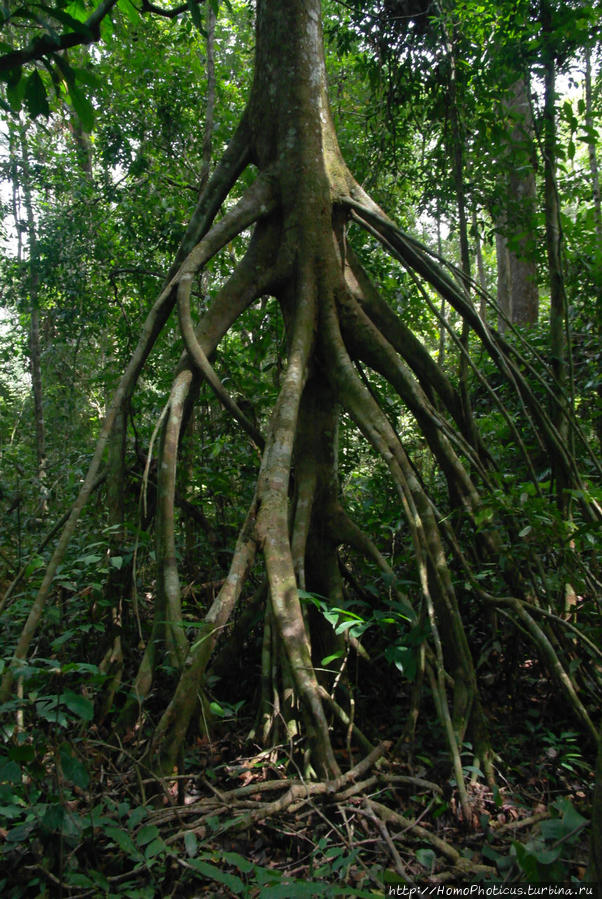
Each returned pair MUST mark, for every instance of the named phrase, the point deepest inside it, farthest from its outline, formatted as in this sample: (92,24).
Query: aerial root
(171,730)
(250,279)
(435,579)
(372,347)
(273,526)
(416,259)
(245,808)
(196,353)
(251,207)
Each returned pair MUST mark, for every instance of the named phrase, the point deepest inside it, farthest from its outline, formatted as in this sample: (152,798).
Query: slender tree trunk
(210,102)
(558,304)
(480,264)
(523,270)
(591,145)
(442,311)
(595,180)
(35,355)
(504,294)
(457,139)
(458,174)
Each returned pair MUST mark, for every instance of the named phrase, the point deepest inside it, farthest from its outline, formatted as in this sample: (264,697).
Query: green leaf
(90,558)
(79,705)
(426,857)
(123,840)
(15,89)
(328,659)
(19,834)
(233,882)
(10,773)
(129,10)
(191,843)
(33,565)
(216,709)
(146,834)
(75,24)
(54,818)
(64,638)
(195,15)
(404,658)
(85,113)
(73,769)
(570,816)
(239,861)
(77,10)
(36,100)
(23,753)
(49,710)
(156,847)
(136,816)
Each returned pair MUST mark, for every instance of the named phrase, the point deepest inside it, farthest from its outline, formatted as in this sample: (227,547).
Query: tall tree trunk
(480,265)
(591,144)
(342,342)
(210,101)
(523,270)
(35,355)
(595,180)
(457,137)
(504,293)
(293,142)
(442,310)
(559,345)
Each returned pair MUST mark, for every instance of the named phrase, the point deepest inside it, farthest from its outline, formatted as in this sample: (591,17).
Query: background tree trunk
(523,270)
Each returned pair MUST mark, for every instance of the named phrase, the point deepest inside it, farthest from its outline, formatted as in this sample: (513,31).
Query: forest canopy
(300,440)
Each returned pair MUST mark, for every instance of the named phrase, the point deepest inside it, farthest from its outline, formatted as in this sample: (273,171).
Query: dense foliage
(461,120)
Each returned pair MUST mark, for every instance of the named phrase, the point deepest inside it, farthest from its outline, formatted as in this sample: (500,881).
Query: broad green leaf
(10,773)
(54,817)
(123,840)
(426,857)
(233,882)
(136,816)
(156,847)
(195,15)
(73,769)
(129,10)
(77,10)
(90,558)
(82,107)
(191,843)
(19,834)
(146,834)
(216,709)
(15,89)
(71,22)
(570,816)
(49,710)
(79,705)
(239,861)
(22,753)
(328,659)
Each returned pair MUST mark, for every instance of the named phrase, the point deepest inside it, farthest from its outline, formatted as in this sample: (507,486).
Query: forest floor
(244,822)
